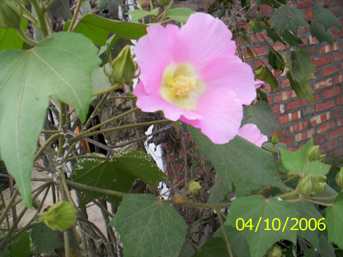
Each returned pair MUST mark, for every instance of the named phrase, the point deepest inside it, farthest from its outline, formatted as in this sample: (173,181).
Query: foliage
(95,157)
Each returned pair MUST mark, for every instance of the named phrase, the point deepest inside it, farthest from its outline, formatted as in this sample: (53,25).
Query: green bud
(339,178)
(276,251)
(194,187)
(305,186)
(9,14)
(61,216)
(164,2)
(275,139)
(314,153)
(123,67)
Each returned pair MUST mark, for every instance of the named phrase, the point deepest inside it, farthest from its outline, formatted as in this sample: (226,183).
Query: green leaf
(149,227)
(98,29)
(9,14)
(325,17)
(302,89)
(10,39)
(139,14)
(261,114)
(276,60)
(263,73)
(334,219)
(213,247)
(308,211)
(290,38)
(255,208)
(55,68)
(45,240)
(249,167)
(179,14)
(258,25)
(318,30)
(301,66)
(297,162)
(19,247)
(288,18)
(61,216)
(117,174)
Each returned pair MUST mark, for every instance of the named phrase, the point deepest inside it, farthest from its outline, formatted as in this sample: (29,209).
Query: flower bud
(276,251)
(339,178)
(314,153)
(194,187)
(123,67)
(9,14)
(305,186)
(61,216)
(179,199)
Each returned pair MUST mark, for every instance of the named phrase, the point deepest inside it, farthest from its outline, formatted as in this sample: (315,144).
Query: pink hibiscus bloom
(251,133)
(193,74)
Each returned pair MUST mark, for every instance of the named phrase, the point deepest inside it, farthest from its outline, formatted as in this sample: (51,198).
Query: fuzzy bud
(123,67)
(61,216)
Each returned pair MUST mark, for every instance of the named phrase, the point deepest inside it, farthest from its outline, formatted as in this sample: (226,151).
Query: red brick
(260,50)
(339,100)
(323,83)
(322,60)
(283,119)
(324,106)
(296,104)
(299,126)
(329,70)
(337,132)
(331,92)
(325,126)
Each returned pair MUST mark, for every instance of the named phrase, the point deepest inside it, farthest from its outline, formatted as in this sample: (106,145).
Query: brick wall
(300,119)
(321,119)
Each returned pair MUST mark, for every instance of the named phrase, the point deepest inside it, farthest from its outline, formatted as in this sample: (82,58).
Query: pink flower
(251,133)
(192,74)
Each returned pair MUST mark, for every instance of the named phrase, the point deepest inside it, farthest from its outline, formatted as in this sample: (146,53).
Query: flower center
(181,86)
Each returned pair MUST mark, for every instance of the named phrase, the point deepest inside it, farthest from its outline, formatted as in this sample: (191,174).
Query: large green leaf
(28,79)
(117,174)
(45,240)
(19,247)
(257,208)
(301,66)
(288,18)
(334,219)
(325,17)
(98,29)
(10,38)
(276,60)
(261,114)
(249,167)
(149,227)
(298,162)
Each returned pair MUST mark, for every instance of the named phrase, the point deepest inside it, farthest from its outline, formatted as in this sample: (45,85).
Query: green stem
(42,18)
(75,16)
(47,143)
(127,126)
(110,120)
(107,90)
(226,238)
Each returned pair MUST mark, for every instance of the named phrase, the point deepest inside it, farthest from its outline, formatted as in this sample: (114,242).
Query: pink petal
(259,83)
(231,73)
(206,38)
(153,103)
(251,133)
(154,52)
(222,115)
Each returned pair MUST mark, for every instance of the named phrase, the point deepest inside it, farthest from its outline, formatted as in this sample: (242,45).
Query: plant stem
(110,120)
(127,126)
(107,90)
(47,143)
(226,238)
(75,16)
(41,14)
(10,204)
(25,38)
